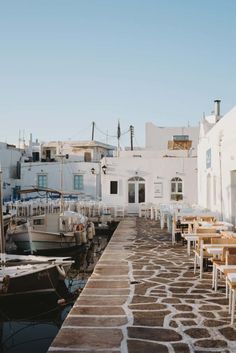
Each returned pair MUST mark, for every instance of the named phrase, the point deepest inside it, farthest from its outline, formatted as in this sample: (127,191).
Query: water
(30,324)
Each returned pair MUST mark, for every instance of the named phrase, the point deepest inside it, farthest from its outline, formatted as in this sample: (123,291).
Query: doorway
(136,193)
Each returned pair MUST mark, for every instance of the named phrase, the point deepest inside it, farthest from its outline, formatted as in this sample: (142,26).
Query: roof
(87,143)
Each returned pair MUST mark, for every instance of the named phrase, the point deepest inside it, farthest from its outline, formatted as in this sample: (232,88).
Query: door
(136,193)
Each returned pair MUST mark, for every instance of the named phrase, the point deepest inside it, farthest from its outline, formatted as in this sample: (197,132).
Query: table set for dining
(215,242)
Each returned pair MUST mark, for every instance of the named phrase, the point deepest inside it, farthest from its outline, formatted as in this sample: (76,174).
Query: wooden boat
(28,279)
(31,274)
(51,232)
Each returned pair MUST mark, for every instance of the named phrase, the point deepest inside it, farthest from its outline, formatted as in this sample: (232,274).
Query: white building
(10,158)
(71,166)
(217,163)
(165,171)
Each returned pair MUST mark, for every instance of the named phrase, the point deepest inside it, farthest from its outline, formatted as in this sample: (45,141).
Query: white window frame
(79,186)
(176,195)
(42,180)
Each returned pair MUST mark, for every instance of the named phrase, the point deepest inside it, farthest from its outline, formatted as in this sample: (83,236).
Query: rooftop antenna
(23,139)
(19,140)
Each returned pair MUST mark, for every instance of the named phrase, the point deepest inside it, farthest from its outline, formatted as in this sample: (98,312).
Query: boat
(31,274)
(29,279)
(50,232)
(27,275)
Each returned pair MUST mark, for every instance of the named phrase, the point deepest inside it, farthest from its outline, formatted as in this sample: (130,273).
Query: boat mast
(61,186)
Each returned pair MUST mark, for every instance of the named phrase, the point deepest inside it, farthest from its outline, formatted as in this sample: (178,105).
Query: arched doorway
(136,193)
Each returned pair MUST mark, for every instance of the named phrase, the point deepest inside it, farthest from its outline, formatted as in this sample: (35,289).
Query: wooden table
(217,250)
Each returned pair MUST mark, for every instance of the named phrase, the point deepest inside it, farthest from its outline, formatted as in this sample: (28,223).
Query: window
(35,156)
(42,180)
(176,189)
(78,182)
(114,187)
(38,221)
(87,156)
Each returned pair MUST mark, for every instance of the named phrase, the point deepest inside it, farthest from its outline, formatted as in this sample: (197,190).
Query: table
(217,250)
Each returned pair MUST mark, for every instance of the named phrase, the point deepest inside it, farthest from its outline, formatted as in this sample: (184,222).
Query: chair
(202,230)
(220,263)
(223,264)
(200,254)
(231,284)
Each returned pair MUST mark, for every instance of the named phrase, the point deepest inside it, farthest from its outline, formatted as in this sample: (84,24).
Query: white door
(136,193)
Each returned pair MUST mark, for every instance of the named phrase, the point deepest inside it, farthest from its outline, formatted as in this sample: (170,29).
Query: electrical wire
(82,131)
(112,136)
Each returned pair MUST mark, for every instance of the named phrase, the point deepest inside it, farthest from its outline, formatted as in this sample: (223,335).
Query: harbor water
(30,323)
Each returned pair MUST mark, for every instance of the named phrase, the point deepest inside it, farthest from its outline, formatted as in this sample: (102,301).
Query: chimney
(217,109)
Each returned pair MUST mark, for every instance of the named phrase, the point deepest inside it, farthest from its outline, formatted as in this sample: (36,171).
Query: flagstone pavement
(144,298)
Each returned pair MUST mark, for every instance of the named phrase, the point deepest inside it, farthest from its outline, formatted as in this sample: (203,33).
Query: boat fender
(61,271)
(93,227)
(90,232)
(61,301)
(84,237)
(79,226)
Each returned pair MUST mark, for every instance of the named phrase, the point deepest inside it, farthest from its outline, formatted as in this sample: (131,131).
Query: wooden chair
(200,254)
(227,261)
(209,219)
(202,230)
(231,286)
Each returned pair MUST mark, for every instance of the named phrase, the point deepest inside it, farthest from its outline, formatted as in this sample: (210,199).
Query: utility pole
(131,128)
(93,124)
(118,138)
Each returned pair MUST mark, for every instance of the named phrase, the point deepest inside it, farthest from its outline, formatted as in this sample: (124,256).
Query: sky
(67,63)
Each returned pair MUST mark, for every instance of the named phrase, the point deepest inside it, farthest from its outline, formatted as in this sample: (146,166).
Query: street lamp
(104,169)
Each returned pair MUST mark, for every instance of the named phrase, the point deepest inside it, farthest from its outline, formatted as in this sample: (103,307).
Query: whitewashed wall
(220,193)
(29,172)
(9,156)
(157,137)
(153,169)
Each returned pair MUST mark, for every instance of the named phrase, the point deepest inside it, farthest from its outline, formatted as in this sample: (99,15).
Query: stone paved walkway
(144,298)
